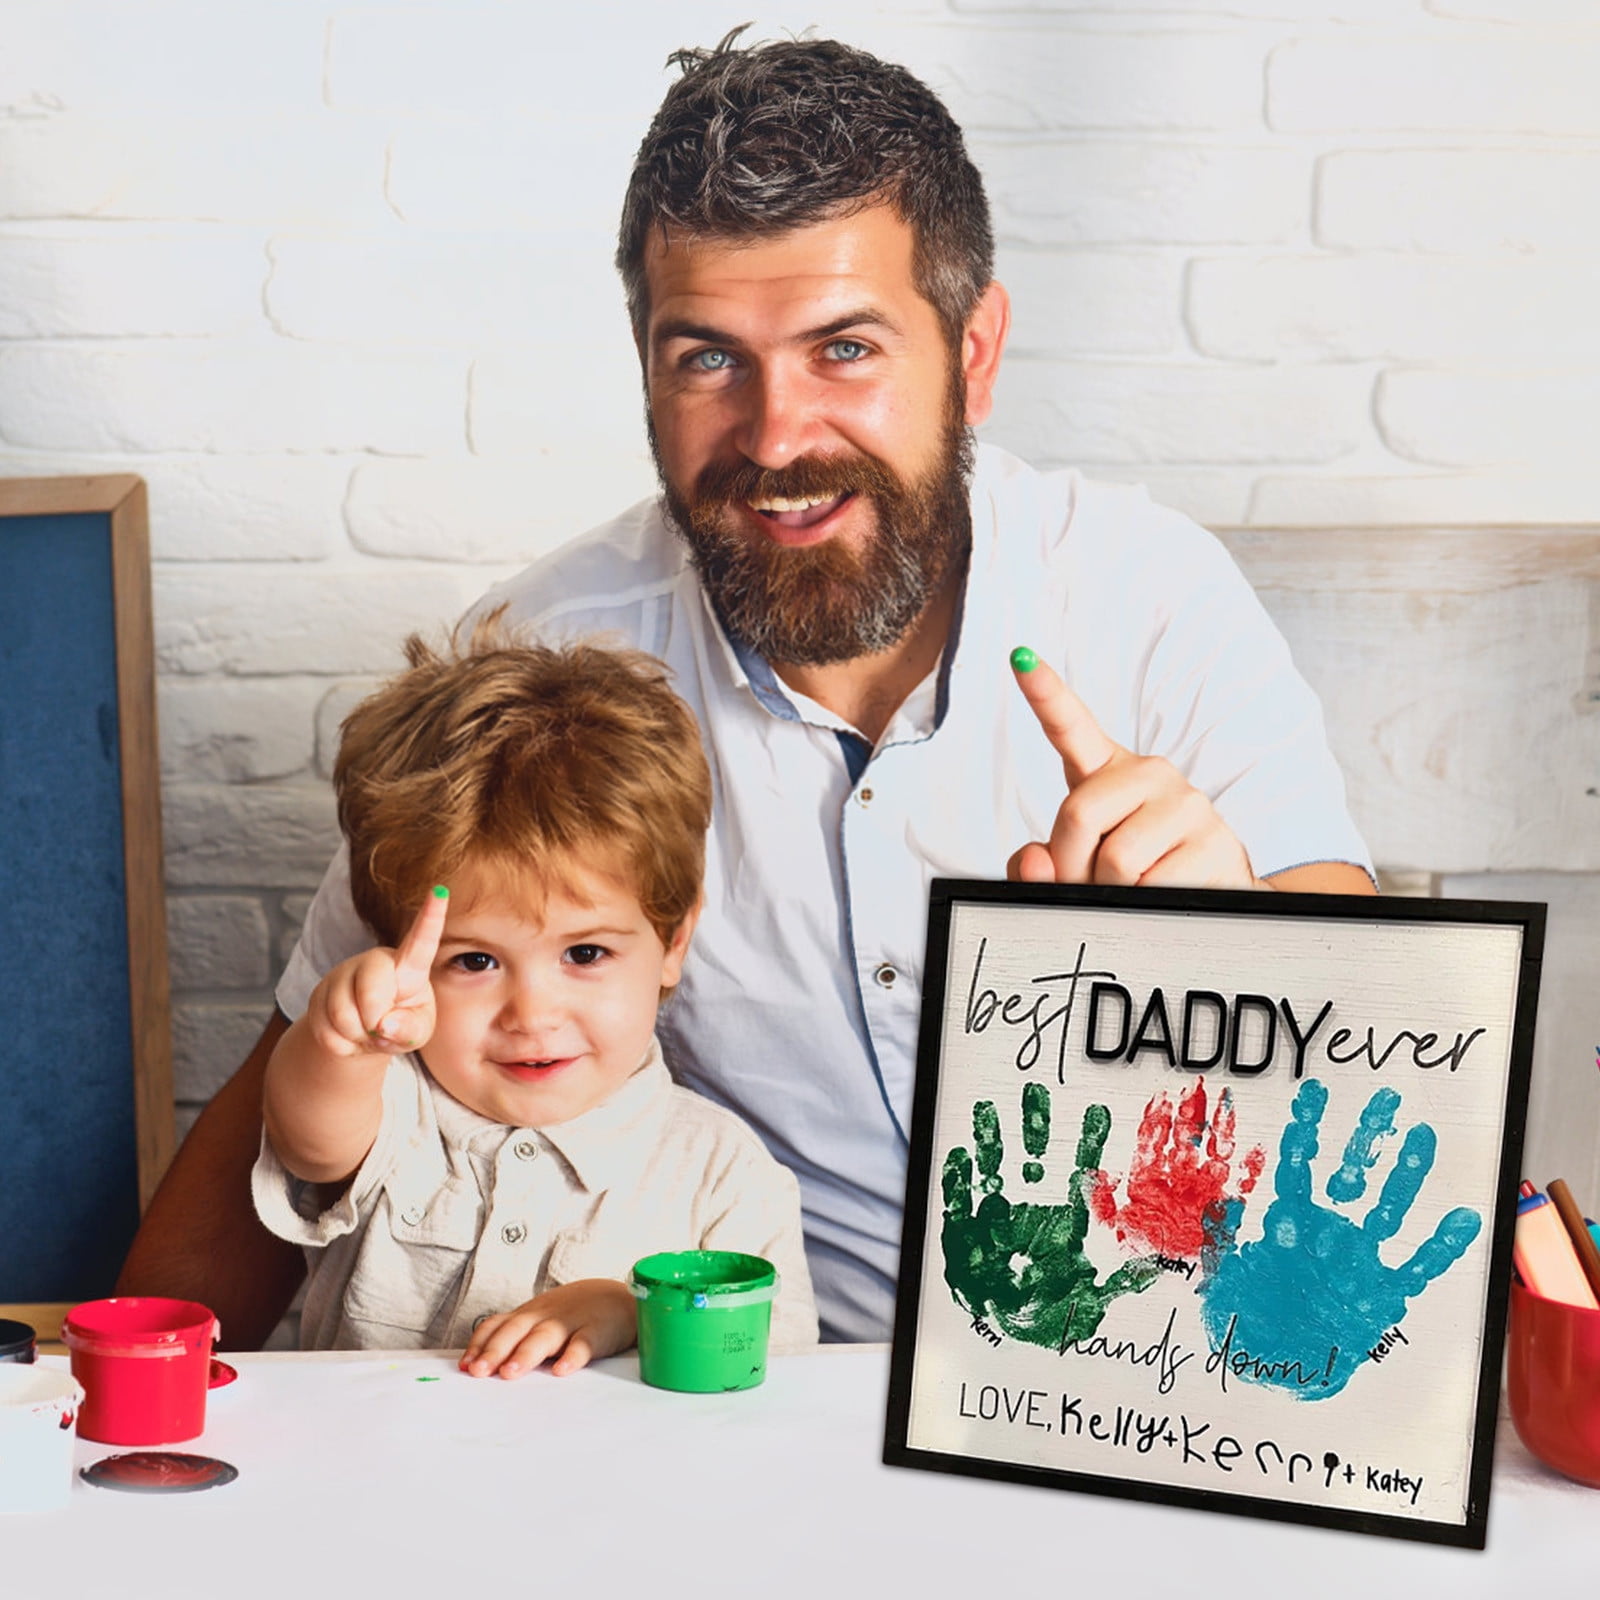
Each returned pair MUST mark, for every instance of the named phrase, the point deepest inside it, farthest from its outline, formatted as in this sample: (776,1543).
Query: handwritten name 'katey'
(1192,1032)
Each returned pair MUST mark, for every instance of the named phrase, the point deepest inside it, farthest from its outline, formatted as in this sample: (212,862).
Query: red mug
(1553,1373)
(145,1365)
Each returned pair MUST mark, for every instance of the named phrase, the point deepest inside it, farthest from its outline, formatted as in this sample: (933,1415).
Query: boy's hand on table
(381,1001)
(1126,818)
(577,1323)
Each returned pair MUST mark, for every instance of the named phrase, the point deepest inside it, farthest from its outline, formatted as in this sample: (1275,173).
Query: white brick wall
(317,618)
(1114,192)
(506,510)
(1093,302)
(1450,77)
(515,184)
(453,291)
(1459,202)
(222,941)
(1061,412)
(274,396)
(287,170)
(1460,418)
(261,729)
(1162,79)
(1498,310)
(233,836)
(335,279)
(83,281)
(71,54)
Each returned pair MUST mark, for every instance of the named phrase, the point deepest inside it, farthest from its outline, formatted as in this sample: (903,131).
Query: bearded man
(837,579)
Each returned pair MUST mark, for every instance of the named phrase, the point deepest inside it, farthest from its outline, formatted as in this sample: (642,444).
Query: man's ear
(678,945)
(982,342)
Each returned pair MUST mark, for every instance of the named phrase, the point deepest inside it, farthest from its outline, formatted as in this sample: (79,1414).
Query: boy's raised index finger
(415,956)
(1068,723)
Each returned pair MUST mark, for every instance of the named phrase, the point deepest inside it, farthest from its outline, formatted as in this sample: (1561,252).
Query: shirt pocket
(411,1265)
(621,1229)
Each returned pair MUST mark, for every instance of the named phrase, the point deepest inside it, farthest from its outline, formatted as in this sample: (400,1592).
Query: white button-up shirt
(800,998)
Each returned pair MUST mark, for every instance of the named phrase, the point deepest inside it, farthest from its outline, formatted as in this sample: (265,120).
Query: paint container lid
(685,1280)
(159,1472)
(18,1342)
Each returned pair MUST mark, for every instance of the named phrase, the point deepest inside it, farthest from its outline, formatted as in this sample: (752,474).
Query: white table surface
(356,1480)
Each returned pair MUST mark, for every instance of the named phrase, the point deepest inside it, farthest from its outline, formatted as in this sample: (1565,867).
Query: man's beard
(824,603)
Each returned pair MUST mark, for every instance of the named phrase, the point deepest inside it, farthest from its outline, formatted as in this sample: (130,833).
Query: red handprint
(1176,1201)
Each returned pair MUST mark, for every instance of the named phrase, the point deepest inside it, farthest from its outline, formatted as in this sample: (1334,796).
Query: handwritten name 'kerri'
(1194,1032)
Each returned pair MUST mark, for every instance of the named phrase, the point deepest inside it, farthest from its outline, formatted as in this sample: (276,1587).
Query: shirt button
(865,797)
(525,1150)
(412,1214)
(513,1233)
(885,976)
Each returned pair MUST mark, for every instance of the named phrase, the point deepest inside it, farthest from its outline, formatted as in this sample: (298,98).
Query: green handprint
(1021,1263)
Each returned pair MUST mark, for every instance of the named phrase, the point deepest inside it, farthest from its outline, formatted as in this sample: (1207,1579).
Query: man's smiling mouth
(799,511)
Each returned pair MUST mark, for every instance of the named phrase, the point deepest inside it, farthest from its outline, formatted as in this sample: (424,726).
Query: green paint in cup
(703,1319)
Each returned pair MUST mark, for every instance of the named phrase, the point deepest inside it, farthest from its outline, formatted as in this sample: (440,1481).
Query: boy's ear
(678,947)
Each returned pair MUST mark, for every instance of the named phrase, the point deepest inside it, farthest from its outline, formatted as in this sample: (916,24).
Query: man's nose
(779,416)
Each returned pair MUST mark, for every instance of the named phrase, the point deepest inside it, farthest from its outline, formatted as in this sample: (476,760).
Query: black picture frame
(1000,1396)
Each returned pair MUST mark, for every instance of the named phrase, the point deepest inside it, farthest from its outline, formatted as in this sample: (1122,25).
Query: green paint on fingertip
(1023,659)
(440,892)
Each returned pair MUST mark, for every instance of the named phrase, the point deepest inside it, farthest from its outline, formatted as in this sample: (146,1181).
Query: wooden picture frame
(1134,1260)
(83,945)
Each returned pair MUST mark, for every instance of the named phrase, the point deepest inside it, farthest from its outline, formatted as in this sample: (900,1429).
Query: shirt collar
(606,1145)
(610,1144)
(765,684)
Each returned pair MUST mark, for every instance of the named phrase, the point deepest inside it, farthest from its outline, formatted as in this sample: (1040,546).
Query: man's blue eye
(710,360)
(847,349)
(585,955)
(474,961)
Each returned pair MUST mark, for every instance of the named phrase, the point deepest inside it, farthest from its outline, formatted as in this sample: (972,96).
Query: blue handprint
(1301,1307)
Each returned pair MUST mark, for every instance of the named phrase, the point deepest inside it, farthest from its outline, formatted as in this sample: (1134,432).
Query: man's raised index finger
(414,958)
(1067,722)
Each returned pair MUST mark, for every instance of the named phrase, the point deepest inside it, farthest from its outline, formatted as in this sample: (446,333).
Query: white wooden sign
(1211,1197)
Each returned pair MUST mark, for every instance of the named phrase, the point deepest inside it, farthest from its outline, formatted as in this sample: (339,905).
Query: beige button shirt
(453,1217)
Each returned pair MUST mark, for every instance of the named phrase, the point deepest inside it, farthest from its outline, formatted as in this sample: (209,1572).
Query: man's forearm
(1322,877)
(200,1239)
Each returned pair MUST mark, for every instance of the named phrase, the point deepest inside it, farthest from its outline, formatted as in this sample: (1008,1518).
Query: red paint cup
(1553,1372)
(144,1363)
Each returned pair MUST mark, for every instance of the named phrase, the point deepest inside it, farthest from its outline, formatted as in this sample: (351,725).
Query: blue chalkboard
(85,1026)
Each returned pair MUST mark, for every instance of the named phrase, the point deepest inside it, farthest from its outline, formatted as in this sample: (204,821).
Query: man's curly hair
(756,141)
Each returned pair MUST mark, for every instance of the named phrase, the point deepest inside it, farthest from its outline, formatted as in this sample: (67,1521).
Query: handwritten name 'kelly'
(1192,1031)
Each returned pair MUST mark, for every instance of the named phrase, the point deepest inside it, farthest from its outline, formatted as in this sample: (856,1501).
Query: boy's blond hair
(526,761)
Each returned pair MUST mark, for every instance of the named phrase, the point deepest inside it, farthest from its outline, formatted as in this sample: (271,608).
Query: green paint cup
(703,1319)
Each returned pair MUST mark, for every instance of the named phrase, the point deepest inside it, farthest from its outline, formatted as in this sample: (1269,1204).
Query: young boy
(471,1128)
